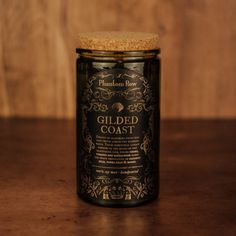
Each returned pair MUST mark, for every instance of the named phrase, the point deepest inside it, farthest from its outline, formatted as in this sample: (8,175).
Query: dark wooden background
(38,40)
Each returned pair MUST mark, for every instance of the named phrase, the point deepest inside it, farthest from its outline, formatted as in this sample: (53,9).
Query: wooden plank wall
(38,40)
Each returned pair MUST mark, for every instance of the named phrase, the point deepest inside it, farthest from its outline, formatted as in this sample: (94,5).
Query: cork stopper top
(118,41)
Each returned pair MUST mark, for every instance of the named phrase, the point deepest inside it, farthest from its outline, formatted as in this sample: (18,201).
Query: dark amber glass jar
(118,117)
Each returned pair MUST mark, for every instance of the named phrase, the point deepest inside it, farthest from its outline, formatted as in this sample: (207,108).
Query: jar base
(115,204)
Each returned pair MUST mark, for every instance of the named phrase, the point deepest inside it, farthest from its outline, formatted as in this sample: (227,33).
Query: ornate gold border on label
(104,187)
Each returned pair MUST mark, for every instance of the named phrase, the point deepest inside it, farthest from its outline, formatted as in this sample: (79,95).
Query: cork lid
(118,41)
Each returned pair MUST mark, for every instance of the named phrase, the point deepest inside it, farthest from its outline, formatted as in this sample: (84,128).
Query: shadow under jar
(118,123)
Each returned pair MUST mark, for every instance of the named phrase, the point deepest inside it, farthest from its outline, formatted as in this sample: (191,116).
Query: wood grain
(38,40)
(38,193)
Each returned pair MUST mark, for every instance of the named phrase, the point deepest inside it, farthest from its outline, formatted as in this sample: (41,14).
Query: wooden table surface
(38,194)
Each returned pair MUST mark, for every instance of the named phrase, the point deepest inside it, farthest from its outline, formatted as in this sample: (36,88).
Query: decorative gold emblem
(129,188)
(97,106)
(138,107)
(89,145)
(117,106)
(146,145)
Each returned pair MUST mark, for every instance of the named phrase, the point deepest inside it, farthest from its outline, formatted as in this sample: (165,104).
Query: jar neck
(117,55)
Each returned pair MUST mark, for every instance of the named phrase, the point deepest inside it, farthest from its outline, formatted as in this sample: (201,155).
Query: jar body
(118,126)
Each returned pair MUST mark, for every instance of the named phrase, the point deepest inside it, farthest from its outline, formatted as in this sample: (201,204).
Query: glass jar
(118,126)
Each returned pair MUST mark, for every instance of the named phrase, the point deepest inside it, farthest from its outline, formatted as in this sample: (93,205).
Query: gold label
(116,153)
